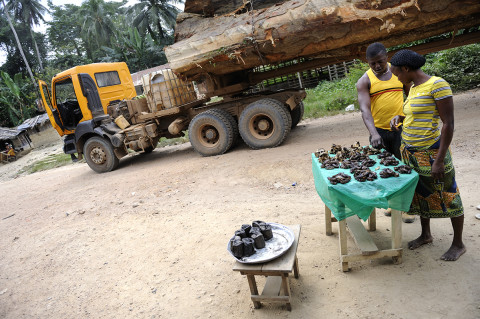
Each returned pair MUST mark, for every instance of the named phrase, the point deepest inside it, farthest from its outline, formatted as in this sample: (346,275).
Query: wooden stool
(277,287)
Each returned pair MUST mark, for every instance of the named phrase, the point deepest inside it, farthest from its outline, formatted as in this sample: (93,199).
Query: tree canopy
(94,31)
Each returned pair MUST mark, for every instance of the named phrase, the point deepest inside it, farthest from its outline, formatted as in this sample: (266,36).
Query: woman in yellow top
(10,150)
(425,147)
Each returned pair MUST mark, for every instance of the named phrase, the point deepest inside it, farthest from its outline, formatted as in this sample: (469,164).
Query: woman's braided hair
(408,58)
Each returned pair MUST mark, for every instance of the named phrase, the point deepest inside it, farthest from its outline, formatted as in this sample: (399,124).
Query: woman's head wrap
(408,58)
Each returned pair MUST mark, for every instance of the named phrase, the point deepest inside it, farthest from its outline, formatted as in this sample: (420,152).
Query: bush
(331,97)
(458,66)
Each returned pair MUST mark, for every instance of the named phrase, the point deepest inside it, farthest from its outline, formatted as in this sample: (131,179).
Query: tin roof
(8,133)
(32,122)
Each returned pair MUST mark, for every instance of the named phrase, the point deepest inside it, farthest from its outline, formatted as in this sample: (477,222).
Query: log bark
(210,8)
(324,29)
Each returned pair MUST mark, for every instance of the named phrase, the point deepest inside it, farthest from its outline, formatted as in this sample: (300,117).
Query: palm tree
(18,44)
(31,13)
(156,17)
(97,27)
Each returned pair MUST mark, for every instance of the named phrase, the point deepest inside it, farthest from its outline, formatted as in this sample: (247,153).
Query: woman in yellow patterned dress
(425,147)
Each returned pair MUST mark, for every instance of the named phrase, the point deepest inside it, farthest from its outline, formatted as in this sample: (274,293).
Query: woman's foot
(414,244)
(454,253)
(408,218)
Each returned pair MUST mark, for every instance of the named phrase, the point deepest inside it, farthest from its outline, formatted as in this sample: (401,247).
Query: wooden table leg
(342,238)
(397,233)
(295,267)
(286,290)
(253,290)
(372,221)
(328,221)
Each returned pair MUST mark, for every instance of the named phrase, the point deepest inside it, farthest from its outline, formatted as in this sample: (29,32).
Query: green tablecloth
(359,198)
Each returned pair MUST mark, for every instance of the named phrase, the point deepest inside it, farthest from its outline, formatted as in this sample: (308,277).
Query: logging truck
(94,107)
(225,48)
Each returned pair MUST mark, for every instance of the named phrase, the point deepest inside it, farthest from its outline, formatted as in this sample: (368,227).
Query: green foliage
(139,52)
(14,61)
(16,100)
(103,31)
(458,66)
(331,97)
(65,36)
(173,141)
(155,17)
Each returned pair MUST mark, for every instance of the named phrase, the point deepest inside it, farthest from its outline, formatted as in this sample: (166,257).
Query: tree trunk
(209,8)
(36,50)
(324,29)
(19,45)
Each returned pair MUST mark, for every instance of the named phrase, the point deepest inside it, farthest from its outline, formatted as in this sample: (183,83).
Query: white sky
(42,28)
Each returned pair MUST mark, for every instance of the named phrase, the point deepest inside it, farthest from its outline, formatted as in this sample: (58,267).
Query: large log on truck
(223,39)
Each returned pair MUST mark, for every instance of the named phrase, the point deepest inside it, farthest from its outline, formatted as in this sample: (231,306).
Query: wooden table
(363,239)
(277,287)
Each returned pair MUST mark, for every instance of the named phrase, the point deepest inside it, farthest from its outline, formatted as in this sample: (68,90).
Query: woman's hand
(438,169)
(396,121)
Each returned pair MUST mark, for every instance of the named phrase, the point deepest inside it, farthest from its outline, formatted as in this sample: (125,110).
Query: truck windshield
(64,91)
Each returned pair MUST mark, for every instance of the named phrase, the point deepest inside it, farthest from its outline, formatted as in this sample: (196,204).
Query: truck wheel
(99,155)
(264,123)
(286,107)
(297,114)
(211,132)
(232,121)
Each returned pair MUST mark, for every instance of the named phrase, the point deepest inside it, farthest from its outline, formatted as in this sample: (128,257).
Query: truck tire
(285,106)
(264,123)
(297,114)
(99,155)
(232,121)
(211,132)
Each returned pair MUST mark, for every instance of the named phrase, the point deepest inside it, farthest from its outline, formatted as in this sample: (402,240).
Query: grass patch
(51,161)
(332,97)
(173,141)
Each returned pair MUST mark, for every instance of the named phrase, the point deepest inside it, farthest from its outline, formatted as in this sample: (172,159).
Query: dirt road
(149,239)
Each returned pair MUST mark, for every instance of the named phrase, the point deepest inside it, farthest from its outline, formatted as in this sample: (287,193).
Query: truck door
(66,103)
(51,111)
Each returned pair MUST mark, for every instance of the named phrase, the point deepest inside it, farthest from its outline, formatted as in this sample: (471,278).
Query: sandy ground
(149,239)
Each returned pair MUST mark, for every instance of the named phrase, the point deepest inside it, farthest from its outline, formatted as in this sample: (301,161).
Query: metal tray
(282,240)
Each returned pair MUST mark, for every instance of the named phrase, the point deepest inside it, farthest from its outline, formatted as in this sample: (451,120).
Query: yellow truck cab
(78,101)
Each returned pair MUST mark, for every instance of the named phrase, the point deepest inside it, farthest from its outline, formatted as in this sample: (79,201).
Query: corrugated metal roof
(8,133)
(32,122)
